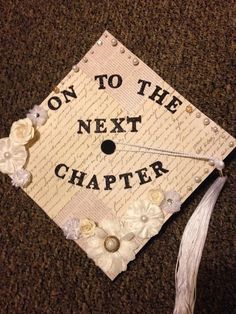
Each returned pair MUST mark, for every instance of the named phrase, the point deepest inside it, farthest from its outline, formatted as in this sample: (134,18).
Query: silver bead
(198,115)
(7,155)
(99,42)
(231,144)
(75,68)
(135,61)
(144,218)
(85,60)
(197,179)
(112,244)
(122,50)
(206,121)
(114,42)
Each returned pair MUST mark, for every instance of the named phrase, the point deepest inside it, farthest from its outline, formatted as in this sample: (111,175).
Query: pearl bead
(206,121)
(206,170)
(122,50)
(99,42)
(144,218)
(56,89)
(75,68)
(198,114)
(85,60)
(112,244)
(215,129)
(189,188)
(135,61)
(211,163)
(231,144)
(7,155)
(114,42)
(189,109)
(105,35)
(197,179)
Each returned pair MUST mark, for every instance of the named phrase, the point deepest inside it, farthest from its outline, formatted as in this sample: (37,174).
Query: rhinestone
(85,60)
(99,42)
(135,61)
(170,201)
(197,179)
(189,109)
(206,121)
(114,42)
(122,50)
(198,114)
(144,218)
(56,89)
(75,68)
(7,155)
(231,144)
(112,244)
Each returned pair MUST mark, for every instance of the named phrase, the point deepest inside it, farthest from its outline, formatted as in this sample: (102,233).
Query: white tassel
(191,247)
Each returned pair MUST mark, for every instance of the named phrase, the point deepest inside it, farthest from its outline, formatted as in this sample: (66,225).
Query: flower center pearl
(7,155)
(144,218)
(112,244)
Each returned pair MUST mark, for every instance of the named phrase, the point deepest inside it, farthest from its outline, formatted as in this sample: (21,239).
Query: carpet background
(190,44)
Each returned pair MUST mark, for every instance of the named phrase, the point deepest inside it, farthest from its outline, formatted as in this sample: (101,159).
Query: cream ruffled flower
(87,227)
(22,131)
(21,178)
(38,115)
(156,196)
(144,218)
(12,158)
(111,247)
(172,202)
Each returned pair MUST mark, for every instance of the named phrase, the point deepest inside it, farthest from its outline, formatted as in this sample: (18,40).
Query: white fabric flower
(156,196)
(111,247)
(172,202)
(87,227)
(144,218)
(38,115)
(21,178)
(71,229)
(12,158)
(22,131)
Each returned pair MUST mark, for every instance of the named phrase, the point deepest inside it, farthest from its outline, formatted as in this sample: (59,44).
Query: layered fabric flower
(172,202)
(112,247)
(21,178)
(38,115)
(12,157)
(22,131)
(144,218)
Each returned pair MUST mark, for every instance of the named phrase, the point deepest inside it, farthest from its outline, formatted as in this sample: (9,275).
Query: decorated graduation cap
(111,154)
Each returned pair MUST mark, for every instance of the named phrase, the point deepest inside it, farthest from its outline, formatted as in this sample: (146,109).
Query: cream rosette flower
(87,227)
(144,218)
(111,247)
(22,131)
(12,158)
(156,196)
